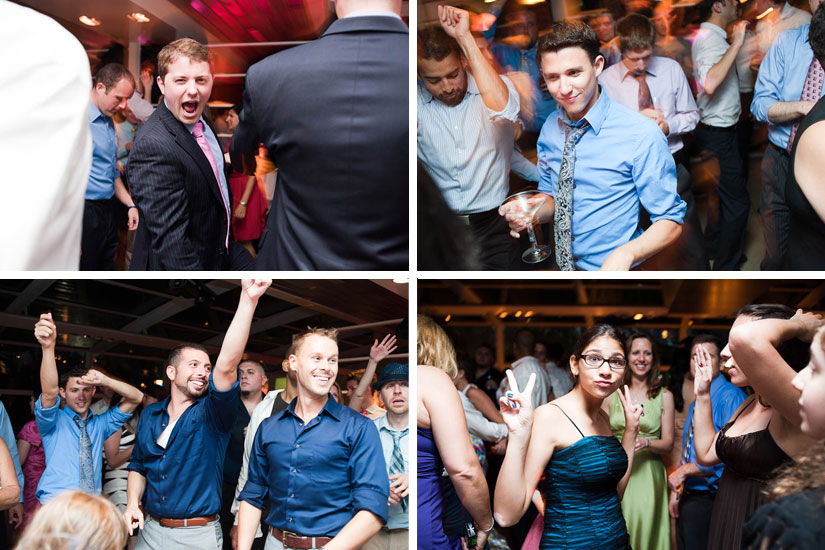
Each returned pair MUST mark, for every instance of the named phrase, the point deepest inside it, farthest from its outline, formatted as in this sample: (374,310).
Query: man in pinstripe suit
(176,174)
(466,121)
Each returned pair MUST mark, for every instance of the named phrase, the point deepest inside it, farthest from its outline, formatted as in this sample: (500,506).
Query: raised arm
(378,353)
(704,433)
(456,23)
(46,333)
(226,367)
(717,73)
(132,396)
(754,347)
(528,450)
(449,429)
(632,414)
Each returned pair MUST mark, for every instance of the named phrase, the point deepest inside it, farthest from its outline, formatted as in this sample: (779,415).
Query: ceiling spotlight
(529,313)
(664,335)
(638,317)
(518,313)
(447,318)
(402,281)
(502,315)
(91,21)
(764,13)
(138,17)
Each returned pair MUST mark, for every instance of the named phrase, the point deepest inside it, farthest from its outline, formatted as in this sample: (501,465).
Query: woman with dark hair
(567,450)
(764,433)
(645,499)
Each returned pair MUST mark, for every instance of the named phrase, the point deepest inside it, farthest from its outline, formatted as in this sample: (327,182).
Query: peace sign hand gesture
(632,413)
(516,406)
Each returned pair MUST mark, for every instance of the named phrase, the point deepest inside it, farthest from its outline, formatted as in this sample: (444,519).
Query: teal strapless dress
(582,509)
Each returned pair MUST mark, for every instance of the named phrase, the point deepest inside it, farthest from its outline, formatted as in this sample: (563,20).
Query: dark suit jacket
(182,215)
(334,115)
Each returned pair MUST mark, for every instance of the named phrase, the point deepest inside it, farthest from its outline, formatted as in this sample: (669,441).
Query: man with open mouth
(176,172)
(176,466)
(317,464)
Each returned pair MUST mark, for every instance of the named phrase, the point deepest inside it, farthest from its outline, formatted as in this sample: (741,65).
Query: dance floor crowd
(592,447)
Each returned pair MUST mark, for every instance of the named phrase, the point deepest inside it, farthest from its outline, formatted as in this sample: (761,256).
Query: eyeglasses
(596,361)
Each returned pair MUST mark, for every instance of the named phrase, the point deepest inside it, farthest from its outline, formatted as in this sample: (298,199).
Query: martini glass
(524,206)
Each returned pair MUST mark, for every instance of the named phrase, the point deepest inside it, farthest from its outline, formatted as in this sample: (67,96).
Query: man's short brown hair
(635,32)
(298,339)
(182,47)
(435,44)
(110,74)
(569,34)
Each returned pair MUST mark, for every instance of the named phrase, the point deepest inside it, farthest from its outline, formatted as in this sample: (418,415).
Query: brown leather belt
(188,522)
(294,540)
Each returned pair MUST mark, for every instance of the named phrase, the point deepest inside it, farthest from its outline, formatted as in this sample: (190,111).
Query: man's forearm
(234,342)
(122,194)
(135,485)
(362,527)
(786,111)
(131,395)
(249,517)
(547,211)
(717,74)
(48,378)
(493,91)
(655,239)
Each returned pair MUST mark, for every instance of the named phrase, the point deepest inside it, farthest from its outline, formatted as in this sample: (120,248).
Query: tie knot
(197,131)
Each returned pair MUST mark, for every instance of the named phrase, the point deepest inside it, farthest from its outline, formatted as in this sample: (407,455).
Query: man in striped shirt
(466,120)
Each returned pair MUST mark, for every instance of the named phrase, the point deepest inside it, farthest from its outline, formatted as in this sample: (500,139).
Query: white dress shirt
(477,423)
(721,109)
(467,148)
(45,145)
(669,90)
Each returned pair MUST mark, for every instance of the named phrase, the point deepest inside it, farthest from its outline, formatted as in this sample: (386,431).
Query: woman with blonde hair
(75,521)
(444,443)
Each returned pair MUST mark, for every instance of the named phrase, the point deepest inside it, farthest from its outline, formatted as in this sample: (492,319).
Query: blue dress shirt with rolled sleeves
(7,434)
(315,477)
(781,78)
(184,480)
(669,90)
(725,398)
(61,444)
(104,156)
(622,160)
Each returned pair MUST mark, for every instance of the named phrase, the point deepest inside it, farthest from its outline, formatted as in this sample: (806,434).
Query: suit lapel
(187,142)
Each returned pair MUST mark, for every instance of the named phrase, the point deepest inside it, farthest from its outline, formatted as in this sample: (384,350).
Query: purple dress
(430,497)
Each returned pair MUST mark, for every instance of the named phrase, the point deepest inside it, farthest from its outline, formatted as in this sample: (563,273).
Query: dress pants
(154,536)
(773,209)
(734,202)
(499,251)
(99,237)
(693,523)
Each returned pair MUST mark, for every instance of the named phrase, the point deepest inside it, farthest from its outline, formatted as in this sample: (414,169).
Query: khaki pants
(389,539)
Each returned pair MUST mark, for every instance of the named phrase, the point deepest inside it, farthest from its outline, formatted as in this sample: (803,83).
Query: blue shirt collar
(595,116)
(332,408)
(94,113)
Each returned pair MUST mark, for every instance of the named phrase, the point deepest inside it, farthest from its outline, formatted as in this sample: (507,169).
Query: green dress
(644,504)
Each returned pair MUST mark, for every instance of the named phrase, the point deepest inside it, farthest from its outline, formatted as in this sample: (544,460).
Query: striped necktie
(397,460)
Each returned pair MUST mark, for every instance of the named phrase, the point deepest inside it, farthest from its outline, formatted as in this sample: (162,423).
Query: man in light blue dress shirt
(776,100)
(466,121)
(393,388)
(113,85)
(73,436)
(672,108)
(622,161)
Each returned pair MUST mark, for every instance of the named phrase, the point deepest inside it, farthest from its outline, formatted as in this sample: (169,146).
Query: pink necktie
(197,131)
(811,90)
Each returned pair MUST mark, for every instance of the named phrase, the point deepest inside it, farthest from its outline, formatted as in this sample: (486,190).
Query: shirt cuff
(371,501)
(135,466)
(254,494)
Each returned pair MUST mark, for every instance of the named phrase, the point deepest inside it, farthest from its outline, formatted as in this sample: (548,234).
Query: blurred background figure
(45,143)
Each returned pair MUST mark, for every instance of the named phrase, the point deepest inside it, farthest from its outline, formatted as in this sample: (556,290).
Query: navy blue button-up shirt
(184,480)
(315,477)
